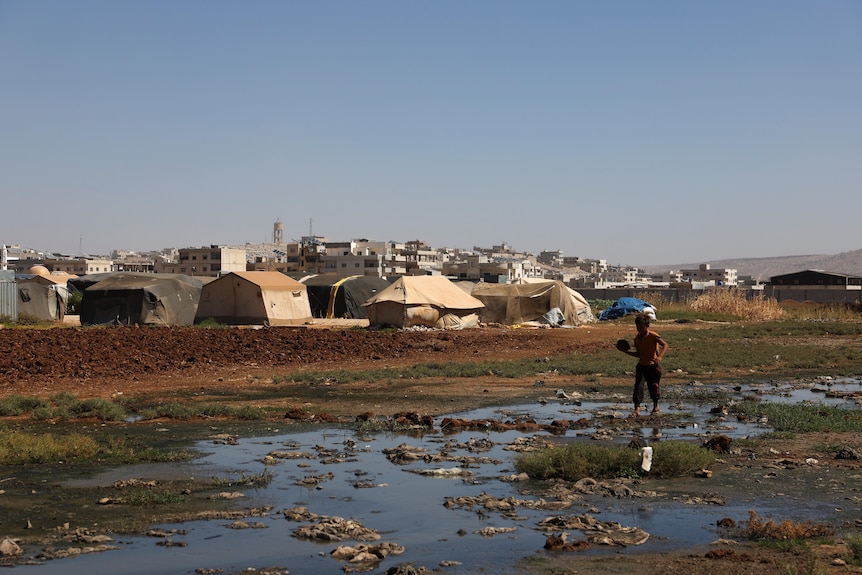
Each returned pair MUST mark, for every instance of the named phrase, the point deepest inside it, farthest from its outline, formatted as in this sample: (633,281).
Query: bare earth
(205,364)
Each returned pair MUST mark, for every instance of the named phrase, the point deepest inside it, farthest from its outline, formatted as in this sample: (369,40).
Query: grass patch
(389,425)
(854,550)
(17,448)
(756,347)
(769,530)
(790,418)
(204,410)
(576,461)
(21,448)
(16,405)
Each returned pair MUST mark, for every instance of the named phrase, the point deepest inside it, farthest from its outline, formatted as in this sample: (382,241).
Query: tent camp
(547,302)
(43,296)
(332,296)
(431,301)
(146,299)
(254,298)
(627,305)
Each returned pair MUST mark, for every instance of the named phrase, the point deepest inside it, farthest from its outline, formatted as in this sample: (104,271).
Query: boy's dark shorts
(648,373)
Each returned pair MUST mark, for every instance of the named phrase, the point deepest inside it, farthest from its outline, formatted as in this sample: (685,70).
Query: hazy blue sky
(638,132)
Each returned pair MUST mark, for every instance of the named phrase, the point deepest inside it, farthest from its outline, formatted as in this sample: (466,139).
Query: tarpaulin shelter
(625,306)
(128,298)
(431,301)
(542,301)
(43,296)
(254,298)
(332,296)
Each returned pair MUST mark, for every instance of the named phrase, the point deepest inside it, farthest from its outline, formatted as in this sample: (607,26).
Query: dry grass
(757,529)
(734,302)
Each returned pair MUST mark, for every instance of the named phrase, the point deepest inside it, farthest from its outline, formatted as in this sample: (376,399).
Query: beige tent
(431,301)
(532,301)
(254,298)
(43,296)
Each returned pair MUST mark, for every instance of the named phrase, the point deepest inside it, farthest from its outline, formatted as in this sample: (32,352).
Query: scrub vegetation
(23,448)
(790,418)
(577,461)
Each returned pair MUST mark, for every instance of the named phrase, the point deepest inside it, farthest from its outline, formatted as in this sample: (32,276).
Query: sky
(637,132)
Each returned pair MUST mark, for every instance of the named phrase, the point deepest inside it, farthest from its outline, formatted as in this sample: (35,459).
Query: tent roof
(430,290)
(268,279)
(128,280)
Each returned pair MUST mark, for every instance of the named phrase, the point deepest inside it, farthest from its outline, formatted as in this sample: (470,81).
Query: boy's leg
(654,387)
(638,391)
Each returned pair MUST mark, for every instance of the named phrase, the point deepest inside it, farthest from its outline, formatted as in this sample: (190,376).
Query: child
(649,349)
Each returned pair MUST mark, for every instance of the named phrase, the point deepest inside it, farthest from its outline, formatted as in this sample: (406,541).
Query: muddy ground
(248,365)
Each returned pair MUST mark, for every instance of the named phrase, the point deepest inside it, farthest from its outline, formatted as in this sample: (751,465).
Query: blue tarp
(624,306)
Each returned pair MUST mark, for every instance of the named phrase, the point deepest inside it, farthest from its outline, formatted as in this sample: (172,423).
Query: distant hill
(849,263)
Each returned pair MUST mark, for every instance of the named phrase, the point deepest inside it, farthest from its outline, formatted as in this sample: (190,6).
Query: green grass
(758,347)
(194,410)
(854,550)
(16,405)
(576,461)
(67,406)
(19,448)
(22,448)
(789,418)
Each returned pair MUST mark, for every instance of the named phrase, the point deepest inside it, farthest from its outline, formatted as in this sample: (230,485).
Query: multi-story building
(79,266)
(126,261)
(212,261)
(705,274)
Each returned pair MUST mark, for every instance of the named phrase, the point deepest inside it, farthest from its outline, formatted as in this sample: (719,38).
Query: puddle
(334,472)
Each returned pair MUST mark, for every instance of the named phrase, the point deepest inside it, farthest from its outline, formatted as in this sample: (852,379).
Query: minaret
(278,232)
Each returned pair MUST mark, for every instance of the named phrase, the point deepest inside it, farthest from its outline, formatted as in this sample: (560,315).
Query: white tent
(431,301)
(532,301)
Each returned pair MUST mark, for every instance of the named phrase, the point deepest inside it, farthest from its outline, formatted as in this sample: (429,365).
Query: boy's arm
(662,349)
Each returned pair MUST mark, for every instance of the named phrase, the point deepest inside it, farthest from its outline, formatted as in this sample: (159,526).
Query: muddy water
(355,480)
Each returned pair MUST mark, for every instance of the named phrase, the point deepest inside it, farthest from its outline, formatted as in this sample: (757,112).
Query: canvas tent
(431,301)
(146,299)
(546,302)
(254,298)
(332,296)
(43,296)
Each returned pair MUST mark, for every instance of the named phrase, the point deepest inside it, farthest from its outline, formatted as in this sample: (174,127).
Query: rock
(720,443)
(9,548)
(847,453)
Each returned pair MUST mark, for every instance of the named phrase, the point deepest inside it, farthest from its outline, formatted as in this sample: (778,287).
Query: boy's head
(642,320)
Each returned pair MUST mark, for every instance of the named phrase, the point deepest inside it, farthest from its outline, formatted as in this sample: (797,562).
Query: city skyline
(639,134)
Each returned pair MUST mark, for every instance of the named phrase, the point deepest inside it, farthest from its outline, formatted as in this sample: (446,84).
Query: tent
(625,306)
(332,296)
(128,298)
(545,301)
(43,296)
(254,298)
(431,301)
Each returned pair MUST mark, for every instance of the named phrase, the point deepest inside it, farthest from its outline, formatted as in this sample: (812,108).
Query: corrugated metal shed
(8,294)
